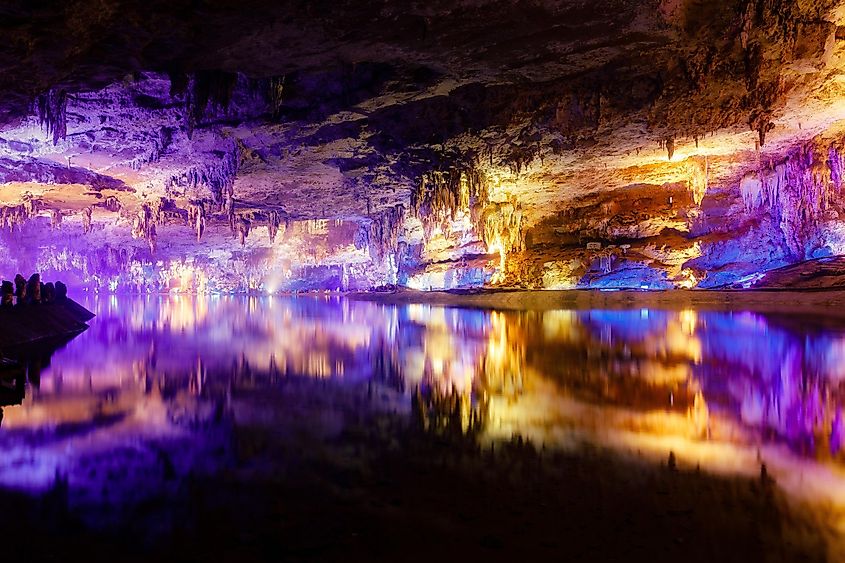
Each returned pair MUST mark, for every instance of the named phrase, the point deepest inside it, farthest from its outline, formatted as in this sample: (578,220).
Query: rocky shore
(21,325)
(830,303)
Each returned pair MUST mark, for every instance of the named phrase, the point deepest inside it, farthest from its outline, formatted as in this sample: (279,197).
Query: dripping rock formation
(256,145)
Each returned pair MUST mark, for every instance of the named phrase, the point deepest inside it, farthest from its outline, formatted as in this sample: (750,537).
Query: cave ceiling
(440,144)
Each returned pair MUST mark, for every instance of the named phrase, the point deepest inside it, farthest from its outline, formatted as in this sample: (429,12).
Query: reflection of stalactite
(52,113)
(55,218)
(316,226)
(448,413)
(112,204)
(12,216)
(86,220)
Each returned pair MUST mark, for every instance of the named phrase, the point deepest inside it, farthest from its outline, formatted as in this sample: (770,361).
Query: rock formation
(667,143)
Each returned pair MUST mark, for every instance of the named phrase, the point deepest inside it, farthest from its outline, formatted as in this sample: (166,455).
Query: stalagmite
(33,289)
(7,294)
(20,289)
(152,238)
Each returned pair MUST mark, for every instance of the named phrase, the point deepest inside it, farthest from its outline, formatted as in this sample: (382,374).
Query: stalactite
(606,257)
(52,113)
(143,227)
(154,152)
(207,90)
(217,176)
(836,163)
(440,195)
(762,129)
(698,177)
(502,228)
(274,219)
(670,146)
(243,226)
(383,231)
(797,191)
(196,217)
(230,212)
(275,95)
(521,157)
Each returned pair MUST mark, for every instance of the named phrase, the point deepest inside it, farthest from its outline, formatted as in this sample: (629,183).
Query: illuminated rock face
(671,143)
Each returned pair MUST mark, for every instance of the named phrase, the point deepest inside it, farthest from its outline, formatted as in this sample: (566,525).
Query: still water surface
(153,389)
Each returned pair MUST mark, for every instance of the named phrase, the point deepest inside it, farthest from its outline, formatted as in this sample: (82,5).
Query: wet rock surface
(26,324)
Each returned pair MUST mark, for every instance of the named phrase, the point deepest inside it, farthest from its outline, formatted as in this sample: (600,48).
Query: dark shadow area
(391,489)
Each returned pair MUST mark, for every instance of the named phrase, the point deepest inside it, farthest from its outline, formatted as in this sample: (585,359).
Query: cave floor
(829,302)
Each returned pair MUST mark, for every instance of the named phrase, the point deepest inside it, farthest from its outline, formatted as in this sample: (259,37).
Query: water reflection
(153,388)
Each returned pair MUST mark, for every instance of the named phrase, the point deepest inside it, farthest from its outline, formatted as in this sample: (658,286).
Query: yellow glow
(688,279)
(496,246)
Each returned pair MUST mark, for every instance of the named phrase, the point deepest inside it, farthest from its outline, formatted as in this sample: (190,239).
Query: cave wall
(609,144)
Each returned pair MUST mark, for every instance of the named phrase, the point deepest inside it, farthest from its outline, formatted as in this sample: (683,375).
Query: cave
(325,280)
